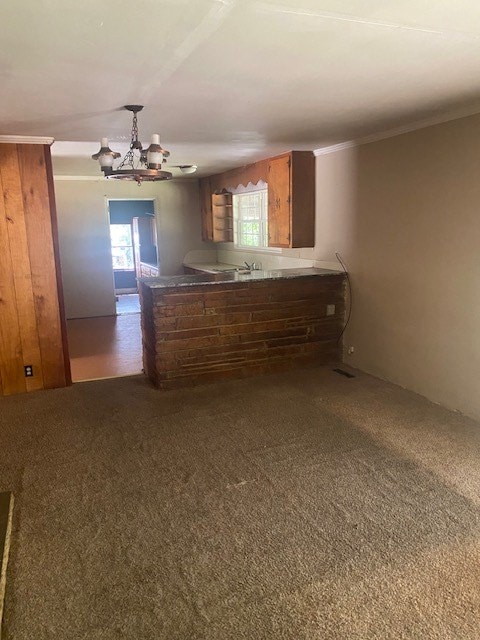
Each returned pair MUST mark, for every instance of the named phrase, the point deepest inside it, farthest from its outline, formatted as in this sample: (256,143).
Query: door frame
(107,200)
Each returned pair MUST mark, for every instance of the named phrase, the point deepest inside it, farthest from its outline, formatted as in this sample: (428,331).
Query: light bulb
(105,156)
(106,160)
(154,153)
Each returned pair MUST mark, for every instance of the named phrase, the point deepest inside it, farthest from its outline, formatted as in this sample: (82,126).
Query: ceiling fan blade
(184,168)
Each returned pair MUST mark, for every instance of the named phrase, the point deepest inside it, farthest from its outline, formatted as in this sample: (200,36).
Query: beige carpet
(297,506)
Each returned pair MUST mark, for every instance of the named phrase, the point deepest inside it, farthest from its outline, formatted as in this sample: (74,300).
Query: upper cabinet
(291,199)
(222,213)
(217,213)
(206,209)
(279,201)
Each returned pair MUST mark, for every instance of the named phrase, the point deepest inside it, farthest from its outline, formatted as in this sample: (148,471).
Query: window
(122,247)
(250,219)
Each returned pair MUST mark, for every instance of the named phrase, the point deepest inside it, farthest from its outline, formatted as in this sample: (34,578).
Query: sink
(237,270)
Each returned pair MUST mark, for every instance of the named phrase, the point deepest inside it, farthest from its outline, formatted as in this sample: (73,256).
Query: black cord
(337,255)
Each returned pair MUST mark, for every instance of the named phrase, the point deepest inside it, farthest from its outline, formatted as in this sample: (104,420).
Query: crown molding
(335,147)
(398,131)
(420,124)
(26,140)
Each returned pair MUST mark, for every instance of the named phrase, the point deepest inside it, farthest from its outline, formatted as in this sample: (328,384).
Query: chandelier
(138,164)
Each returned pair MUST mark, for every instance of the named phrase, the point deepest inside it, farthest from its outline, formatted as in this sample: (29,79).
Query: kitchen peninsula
(200,328)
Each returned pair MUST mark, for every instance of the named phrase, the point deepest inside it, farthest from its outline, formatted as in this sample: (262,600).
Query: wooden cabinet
(291,200)
(206,209)
(217,214)
(222,214)
(279,202)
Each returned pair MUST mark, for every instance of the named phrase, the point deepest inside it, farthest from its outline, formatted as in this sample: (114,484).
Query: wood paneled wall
(32,326)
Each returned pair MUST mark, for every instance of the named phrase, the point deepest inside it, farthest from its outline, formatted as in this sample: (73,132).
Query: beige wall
(84,236)
(405,214)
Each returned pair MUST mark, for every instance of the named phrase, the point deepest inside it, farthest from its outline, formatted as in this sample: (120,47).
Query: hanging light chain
(129,159)
(135,128)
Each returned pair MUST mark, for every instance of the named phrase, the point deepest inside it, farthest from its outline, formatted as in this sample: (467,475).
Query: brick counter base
(204,333)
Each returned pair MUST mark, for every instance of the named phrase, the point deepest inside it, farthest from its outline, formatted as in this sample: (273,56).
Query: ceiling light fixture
(138,164)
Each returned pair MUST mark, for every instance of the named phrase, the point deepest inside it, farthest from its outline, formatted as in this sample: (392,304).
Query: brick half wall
(204,333)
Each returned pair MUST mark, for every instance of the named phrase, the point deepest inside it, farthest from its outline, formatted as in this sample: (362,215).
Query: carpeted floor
(297,506)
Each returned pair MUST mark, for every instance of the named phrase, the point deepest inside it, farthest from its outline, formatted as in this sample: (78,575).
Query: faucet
(254,266)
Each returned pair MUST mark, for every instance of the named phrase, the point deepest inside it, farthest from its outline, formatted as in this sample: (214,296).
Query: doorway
(133,237)
(111,346)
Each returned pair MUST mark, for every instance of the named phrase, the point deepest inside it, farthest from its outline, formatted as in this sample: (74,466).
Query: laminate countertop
(207,279)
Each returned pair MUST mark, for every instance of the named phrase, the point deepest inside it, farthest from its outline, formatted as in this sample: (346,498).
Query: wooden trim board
(6,512)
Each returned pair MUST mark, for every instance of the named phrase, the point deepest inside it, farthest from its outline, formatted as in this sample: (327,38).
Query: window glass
(122,247)
(250,219)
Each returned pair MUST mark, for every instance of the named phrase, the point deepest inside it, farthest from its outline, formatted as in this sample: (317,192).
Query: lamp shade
(155,153)
(105,156)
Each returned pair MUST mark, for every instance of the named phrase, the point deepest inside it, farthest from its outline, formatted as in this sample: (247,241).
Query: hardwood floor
(106,347)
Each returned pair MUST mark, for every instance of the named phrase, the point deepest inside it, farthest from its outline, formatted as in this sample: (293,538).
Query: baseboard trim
(6,514)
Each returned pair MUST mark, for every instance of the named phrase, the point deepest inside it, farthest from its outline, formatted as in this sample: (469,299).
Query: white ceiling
(227,82)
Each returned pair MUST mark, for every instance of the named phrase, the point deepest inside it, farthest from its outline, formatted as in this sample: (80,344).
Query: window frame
(239,220)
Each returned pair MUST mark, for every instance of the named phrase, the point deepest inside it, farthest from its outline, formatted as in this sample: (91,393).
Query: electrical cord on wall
(337,255)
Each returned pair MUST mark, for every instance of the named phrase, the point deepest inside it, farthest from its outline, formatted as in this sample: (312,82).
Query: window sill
(238,247)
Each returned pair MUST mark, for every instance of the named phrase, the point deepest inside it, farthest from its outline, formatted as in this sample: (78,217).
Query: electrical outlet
(330,309)
(28,371)
(351,350)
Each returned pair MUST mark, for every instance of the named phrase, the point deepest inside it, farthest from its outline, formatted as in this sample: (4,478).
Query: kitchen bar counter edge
(167,282)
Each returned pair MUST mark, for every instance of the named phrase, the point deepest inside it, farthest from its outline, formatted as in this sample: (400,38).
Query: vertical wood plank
(22,277)
(58,270)
(279,210)
(36,202)
(11,363)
